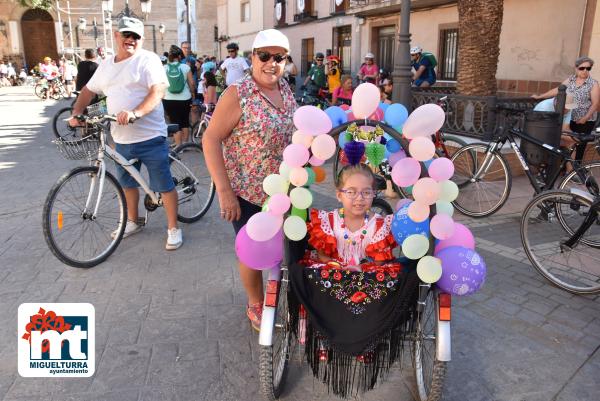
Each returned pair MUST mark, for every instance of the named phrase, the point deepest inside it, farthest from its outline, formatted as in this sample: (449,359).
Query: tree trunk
(479,26)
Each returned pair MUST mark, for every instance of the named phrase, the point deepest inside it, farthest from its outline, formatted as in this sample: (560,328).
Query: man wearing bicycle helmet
(424,75)
(234,66)
(134,82)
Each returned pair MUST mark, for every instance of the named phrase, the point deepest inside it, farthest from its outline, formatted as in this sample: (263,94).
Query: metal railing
(472,116)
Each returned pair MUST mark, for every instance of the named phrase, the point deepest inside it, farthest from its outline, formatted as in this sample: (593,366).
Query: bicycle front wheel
(194,185)
(547,222)
(76,235)
(61,128)
(197,131)
(484,180)
(40,90)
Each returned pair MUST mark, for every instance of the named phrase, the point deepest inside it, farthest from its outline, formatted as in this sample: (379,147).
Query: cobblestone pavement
(171,325)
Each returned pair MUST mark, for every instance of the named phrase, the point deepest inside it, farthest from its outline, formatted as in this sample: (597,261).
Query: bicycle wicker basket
(79,149)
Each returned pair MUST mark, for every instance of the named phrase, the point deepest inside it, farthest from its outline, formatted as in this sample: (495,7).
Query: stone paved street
(171,325)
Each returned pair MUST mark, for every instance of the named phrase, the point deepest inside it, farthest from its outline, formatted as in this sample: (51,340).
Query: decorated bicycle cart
(354,325)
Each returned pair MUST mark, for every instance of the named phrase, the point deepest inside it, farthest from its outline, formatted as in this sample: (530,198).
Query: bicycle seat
(580,138)
(172,128)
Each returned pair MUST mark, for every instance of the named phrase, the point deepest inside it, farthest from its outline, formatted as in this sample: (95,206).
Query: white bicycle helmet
(370,55)
(416,50)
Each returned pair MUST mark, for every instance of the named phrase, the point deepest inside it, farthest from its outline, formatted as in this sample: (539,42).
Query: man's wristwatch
(135,115)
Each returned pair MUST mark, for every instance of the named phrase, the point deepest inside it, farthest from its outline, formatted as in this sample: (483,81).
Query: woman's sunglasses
(584,68)
(133,35)
(266,56)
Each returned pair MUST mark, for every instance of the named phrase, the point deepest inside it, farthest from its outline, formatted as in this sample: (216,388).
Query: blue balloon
(427,163)
(393,146)
(336,115)
(342,139)
(396,114)
(387,136)
(403,226)
(383,106)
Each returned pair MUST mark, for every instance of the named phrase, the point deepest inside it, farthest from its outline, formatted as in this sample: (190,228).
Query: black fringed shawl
(357,320)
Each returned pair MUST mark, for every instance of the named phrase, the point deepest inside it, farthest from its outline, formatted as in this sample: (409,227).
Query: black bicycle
(484,176)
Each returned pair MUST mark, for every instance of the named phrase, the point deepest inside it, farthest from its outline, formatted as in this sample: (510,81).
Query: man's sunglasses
(584,68)
(266,56)
(231,51)
(133,35)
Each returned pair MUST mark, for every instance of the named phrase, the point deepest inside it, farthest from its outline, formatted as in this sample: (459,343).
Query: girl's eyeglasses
(352,194)
(266,56)
(584,68)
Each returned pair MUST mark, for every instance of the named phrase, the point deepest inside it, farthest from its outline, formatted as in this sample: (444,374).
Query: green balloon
(302,213)
(311,176)
(265,206)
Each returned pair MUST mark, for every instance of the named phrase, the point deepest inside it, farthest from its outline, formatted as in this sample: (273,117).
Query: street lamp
(107,5)
(146,6)
(162,29)
(81,24)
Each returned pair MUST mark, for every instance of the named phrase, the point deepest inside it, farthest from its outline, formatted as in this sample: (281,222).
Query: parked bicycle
(55,88)
(311,99)
(560,232)
(485,178)
(200,126)
(85,212)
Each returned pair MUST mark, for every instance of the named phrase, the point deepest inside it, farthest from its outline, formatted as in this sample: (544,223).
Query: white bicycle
(85,212)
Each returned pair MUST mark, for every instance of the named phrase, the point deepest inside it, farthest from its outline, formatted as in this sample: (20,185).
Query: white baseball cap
(271,37)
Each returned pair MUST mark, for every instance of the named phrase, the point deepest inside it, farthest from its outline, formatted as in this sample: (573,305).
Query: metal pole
(95,33)
(402,68)
(127,8)
(62,35)
(70,26)
(189,23)
(104,28)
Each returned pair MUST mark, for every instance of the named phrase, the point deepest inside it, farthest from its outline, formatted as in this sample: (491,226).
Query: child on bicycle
(351,237)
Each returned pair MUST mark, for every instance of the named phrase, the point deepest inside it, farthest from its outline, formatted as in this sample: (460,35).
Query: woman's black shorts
(178,111)
(248,210)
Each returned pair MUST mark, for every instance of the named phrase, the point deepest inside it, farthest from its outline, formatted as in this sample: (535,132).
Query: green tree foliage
(43,4)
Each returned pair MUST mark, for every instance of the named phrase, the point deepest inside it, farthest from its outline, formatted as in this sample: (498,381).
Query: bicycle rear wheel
(73,234)
(451,145)
(429,371)
(481,193)
(194,185)
(572,180)
(548,220)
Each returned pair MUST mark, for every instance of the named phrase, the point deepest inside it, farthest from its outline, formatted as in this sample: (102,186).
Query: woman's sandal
(254,313)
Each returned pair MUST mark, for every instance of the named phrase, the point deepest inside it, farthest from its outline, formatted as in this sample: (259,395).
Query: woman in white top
(180,94)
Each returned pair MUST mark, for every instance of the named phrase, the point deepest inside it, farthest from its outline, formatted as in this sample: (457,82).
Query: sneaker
(254,313)
(130,229)
(174,239)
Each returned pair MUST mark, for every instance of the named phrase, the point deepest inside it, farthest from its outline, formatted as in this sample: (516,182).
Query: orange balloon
(319,173)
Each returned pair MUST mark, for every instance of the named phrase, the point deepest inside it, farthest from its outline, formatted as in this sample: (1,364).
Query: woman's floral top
(582,95)
(255,147)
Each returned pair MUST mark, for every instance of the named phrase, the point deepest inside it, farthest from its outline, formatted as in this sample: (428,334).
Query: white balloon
(294,228)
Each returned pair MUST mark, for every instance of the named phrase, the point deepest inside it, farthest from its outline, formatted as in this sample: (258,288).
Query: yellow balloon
(449,191)
(275,184)
(429,269)
(415,246)
(301,198)
(294,228)
(284,170)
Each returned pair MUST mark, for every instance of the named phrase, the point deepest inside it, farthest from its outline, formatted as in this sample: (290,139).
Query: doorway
(385,47)
(39,38)
(308,53)
(342,46)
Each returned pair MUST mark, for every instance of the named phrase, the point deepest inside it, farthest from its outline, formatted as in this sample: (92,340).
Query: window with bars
(245,12)
(448,62)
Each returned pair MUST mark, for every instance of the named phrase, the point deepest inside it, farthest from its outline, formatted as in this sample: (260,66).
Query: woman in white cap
(244,142)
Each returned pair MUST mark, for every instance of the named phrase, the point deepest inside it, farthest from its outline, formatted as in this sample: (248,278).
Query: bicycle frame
(509,135)
(585,225)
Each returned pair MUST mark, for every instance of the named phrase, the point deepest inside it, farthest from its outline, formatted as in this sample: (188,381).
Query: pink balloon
(279,204)
(461,236)
(421,148)
(406,172)
(295,155)
(262,226)
(312,120)
(345,107)
(315,161)
(426,190)
(424,121)
(377,115)
(323,146)
(402,202)
(365,100)
(302,139)
(259,255)
(396,157)
(442,226)
(298,176)
(418,211)
(350,115)
(441,169)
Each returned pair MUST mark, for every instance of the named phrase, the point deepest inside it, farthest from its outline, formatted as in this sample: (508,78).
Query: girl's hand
(582,120)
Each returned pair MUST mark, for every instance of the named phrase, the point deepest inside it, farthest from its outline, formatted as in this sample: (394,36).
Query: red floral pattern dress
(379,276)
(255,147)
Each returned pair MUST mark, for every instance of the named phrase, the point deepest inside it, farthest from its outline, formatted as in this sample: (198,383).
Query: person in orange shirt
(332,70)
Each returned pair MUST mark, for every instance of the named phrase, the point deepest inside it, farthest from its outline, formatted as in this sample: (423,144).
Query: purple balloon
(463,271)
(259,255)
(396,157)
(461,236)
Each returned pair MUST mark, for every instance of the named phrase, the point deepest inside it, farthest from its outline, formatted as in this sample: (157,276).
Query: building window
(308,52)
(342,46)
(339,6)
(245,12)
(448,62)
(279,13)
